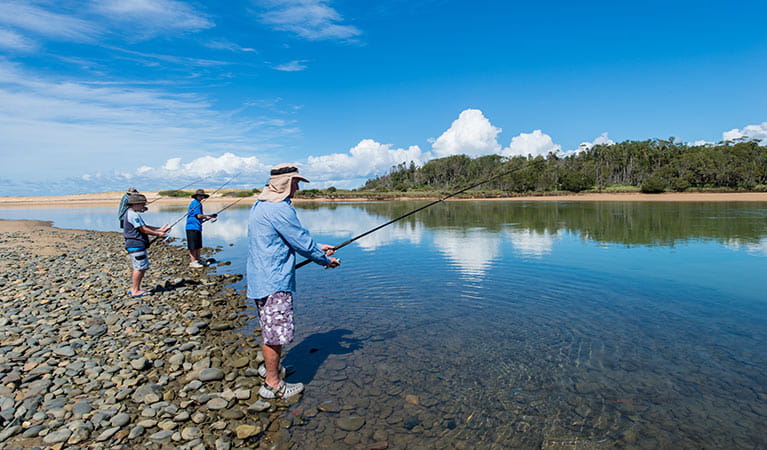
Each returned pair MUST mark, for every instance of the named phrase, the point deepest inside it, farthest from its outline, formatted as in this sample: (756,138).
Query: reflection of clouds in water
(228,230)
(528,242)
(758,248)
(472,250)
(348,222)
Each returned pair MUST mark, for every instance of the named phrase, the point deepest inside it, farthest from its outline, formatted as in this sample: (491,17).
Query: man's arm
(297,237)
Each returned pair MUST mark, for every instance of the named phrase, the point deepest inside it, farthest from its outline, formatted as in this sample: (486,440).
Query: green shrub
(174,193)
(575,181)
(680,184)
(653,185)
(332,189)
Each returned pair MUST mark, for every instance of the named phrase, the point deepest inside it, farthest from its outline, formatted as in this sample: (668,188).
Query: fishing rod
(345,243)
(187,213)
(179,189)
(215,214)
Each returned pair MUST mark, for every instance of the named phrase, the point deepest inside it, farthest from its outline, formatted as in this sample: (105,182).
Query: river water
(522,324)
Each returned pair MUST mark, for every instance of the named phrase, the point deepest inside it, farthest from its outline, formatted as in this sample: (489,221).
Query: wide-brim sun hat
(136,198)
(280,179)
(200,193)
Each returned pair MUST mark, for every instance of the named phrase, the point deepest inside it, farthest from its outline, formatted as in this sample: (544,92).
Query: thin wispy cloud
(311,19)
(152,17)
(292,66)
(29,17)
(10,40)
(116,129)
(224,44)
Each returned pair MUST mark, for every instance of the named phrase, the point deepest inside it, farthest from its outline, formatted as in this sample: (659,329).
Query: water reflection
(524,325)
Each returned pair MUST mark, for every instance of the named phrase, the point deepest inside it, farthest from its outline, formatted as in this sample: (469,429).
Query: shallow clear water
(506,324)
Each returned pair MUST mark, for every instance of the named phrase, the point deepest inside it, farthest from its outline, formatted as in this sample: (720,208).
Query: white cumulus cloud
(470,134)
(206,166)
(602,139)
(535,143)
(758,132)
(365,159)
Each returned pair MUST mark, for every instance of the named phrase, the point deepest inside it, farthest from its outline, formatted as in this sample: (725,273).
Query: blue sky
(98,95)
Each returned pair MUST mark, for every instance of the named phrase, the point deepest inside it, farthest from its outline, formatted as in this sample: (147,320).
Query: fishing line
(373,230)
(187,213)
(181,188)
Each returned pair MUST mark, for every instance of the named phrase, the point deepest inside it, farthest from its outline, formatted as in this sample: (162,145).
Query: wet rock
(259,406)
(350,423)
(245,431)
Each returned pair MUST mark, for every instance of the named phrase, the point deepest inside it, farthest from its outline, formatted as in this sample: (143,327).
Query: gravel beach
(83,365)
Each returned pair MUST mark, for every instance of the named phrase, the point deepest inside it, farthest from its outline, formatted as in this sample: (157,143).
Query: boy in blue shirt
(194,219)
(136,234)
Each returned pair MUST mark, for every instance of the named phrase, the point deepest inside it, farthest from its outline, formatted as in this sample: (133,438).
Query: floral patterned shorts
(275,313)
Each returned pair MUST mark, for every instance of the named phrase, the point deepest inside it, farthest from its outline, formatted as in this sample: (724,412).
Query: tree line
(652,166)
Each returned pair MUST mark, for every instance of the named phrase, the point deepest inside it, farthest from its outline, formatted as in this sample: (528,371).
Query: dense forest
(651,165)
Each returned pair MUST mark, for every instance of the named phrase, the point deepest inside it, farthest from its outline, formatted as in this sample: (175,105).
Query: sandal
(284,371)
(286,390)
(140,294)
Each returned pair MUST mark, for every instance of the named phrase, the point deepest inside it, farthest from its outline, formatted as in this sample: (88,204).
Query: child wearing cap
(194,219)
(136,234)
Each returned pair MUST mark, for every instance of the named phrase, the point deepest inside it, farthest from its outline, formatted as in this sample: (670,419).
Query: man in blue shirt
(275,235)
(194,219)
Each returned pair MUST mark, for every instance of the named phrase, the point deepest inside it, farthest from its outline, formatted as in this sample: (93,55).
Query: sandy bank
(112,199)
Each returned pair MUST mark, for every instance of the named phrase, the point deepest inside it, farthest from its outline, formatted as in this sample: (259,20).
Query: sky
(100,95)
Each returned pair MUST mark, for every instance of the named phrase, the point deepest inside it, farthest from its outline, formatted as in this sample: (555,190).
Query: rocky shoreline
(83,365)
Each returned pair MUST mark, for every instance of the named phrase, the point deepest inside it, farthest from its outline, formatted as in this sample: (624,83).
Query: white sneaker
(286,390)
(196,264)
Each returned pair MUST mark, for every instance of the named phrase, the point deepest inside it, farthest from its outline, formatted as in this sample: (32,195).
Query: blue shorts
(139,259)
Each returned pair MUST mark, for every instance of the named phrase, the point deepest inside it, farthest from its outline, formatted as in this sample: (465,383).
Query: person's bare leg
(191,256)
(136,278)
(272,362)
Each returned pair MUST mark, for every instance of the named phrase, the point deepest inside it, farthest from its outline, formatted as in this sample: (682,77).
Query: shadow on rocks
(308,355)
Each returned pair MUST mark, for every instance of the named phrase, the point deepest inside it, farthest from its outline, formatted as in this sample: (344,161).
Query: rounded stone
(245,431)
(57,436)
(120,420)
(217,403)
(211,374)
(190,433)
(351,423)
